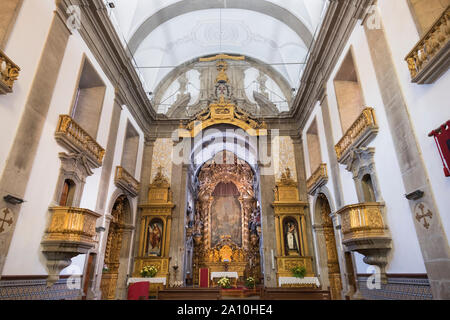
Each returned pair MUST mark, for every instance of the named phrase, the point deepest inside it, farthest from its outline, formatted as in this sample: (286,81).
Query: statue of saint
(154,239)
(292,246)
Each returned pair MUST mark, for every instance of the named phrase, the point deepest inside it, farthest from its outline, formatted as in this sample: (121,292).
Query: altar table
(225,274)
(151,280)
(155,284)
(294,281)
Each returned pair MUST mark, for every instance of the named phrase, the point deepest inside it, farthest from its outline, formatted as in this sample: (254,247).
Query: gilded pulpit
(156,219)
(290,228)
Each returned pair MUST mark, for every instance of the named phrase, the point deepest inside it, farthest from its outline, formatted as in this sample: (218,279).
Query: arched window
(67,194)
(368,191)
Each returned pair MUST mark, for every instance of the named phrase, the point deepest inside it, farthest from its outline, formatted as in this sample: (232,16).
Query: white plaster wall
(25,257)
(405,256)
(24,47)
(428,105)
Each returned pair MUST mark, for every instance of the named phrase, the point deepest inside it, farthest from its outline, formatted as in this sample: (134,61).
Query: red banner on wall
(442,138)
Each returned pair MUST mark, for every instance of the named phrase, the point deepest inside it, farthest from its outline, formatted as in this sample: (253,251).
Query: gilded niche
(156,221)
(227,222)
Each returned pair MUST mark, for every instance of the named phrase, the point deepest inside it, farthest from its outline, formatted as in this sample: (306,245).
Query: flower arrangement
(299,271)
(250,282)
(224,283)
(149,271)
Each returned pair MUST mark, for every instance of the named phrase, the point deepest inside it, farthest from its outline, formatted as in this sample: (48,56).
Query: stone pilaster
(333,165)
(19,163)
(177,235)
(301,178)
(8,15)
(146,171)
(109,157)
(433,240)
(267,185)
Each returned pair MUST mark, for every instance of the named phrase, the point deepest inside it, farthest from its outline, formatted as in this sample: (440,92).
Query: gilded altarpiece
(334,274)
(221,245)
(156,221)
(113,246)
(290,228)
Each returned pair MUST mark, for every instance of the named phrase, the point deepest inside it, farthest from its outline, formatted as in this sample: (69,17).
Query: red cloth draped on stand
(204,277)
(138,291)
(442,138)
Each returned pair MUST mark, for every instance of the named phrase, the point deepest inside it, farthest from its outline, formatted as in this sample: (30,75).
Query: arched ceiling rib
(163,34)
(182,7)
(243,32)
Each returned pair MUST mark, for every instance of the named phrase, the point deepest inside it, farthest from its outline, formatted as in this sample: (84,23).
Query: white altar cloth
(229,274)
(295,280)
(151,280)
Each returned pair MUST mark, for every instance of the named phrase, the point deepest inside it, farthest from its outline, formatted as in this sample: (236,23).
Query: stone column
(301,178)
(433,240)
(333,164)
(177,234)
(267,184)
(107,168)
(20,160)
(322,258)
(124,260)
(8,15)
(146,171)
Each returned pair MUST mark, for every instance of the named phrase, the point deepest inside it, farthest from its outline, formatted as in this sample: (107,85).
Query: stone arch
(115,195)
(253,62)
(187,6)
(118,246)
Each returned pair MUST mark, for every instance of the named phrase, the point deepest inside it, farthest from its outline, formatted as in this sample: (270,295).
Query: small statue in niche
(255,221)
(190,216)
(154,238)
(291,238)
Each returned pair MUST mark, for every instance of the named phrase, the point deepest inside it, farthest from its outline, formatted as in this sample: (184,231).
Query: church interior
(220,149)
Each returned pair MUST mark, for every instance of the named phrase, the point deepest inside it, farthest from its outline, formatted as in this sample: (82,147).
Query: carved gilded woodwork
(158,209)
(285,265)
(125,181)
(9,72)
(288,208)
(71,232)
(317,179)
(72,225)
(222,110)
(430,57)
(243,258)
(364,231)
(113,247)
(361,132)
(73,137)
(334,274)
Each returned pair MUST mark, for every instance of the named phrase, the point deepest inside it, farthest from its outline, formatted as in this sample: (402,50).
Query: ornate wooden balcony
(73,137)
(317,179)
(430,58)
(124,180)
(71,232)
(361,132)
(364,231)
(70,224)
(9,72)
